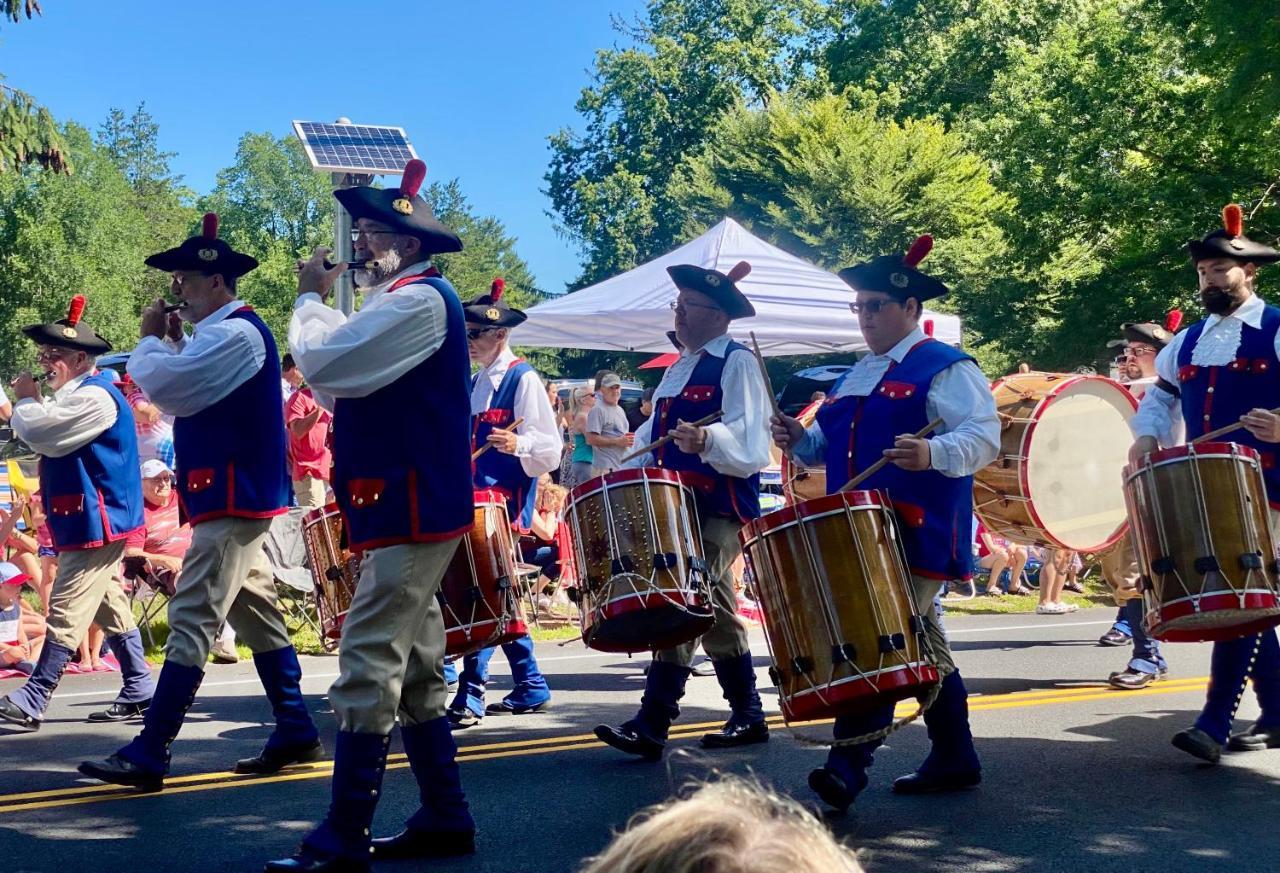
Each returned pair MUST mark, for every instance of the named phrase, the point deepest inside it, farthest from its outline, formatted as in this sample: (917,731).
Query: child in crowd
(20,638)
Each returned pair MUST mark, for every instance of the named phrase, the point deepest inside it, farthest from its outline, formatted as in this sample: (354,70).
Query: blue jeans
(1123,623)
(530,685)
(1146,651)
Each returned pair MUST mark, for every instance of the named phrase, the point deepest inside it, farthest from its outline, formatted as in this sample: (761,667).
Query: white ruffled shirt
(538,441)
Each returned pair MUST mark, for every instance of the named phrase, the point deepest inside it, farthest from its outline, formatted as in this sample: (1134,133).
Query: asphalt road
(1077,777)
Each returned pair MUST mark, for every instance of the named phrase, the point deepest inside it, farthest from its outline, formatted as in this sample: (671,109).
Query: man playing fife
(906,382)
(223,387)
(396,376)
(1212,374)
(506,390)
(722,461)
(93,500)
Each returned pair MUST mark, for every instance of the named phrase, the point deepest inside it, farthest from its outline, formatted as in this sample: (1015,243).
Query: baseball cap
(610,381)
(154,467)
(11,575)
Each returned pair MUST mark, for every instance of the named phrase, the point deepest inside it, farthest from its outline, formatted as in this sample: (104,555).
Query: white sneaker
(1069,607)
(1051,609)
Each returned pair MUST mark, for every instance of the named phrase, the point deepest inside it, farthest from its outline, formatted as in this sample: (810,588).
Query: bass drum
(1064,443)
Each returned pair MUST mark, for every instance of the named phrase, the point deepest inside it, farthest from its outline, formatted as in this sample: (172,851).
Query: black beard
(1216,300)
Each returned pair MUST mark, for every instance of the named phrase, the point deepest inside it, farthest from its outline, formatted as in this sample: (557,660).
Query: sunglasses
(871,307)
(477,332)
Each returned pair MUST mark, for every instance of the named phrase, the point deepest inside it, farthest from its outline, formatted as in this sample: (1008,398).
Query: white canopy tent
(800,309)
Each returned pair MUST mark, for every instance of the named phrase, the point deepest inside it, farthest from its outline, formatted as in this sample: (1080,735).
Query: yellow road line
(77,795)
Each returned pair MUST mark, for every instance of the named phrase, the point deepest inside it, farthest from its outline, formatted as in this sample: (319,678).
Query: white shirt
(70,420)
(1159,413)
(538,442)
(737,444)
(189,375)
(960,395)
(388,336)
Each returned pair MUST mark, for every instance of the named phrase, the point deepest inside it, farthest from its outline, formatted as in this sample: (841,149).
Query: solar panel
(355,148)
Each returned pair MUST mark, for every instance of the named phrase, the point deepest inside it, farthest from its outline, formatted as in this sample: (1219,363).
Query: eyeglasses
(357,232)
(685,306)
(53,354)
(871,307)
(1139,351)
(162,479)
(477,332)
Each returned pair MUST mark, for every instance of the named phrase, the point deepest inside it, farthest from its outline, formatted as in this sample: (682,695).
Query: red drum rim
(623,477)
(789,515)
(489,497)
(314,515)
(894,682)
(1209,449)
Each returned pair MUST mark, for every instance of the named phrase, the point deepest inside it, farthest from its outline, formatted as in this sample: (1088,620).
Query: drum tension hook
(1251,561)
(1162,565)
(775,677)
(844,653)
(333,574)
(503,583)
(622,564)
(664,561)
(1206,564)
(802,664)
(475,594)
(892,643)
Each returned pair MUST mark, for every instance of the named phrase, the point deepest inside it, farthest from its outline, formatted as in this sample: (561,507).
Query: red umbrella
(661,362)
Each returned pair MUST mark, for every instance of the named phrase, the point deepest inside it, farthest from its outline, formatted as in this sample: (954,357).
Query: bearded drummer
(506,391)
(396,375)
(722,461)
(223,387)
(1142,342)
(907,381)
(1210,375)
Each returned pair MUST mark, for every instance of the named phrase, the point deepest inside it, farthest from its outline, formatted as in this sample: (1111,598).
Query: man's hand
(154,320)
(314,278)
(1142,447)
(909,453)
(25,386)
(165,562)
(690,439)
(1263,424)
(786,431)
(503,440)
(173,331)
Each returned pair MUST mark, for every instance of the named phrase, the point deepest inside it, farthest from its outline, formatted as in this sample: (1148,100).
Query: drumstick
(878,465)
(484,448)
(644,450)
(1214,434)
(764,372)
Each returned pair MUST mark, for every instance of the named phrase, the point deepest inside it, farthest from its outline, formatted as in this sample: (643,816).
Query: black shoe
(631,741)
(309,860)
(120,711)
(732,735)
(118,771)
(11,715)
(929,783)
(460,719)
(1114,637)
(505,708)
(1255,739)
(1130,679)
(1196,742)
(831,788)
(274,760)
(424,844)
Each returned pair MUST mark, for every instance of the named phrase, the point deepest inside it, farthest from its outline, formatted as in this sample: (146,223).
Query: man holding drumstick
(1211,375)
(722,461)
(906,382)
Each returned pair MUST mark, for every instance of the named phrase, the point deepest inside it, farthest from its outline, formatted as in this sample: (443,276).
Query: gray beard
(383,269)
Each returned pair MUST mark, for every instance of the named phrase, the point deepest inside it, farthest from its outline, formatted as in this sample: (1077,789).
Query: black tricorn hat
(720,287)
(490,310)
(896,275)
(69,332)
(1158,335)
(1229,241)
(402,209)
(204,253)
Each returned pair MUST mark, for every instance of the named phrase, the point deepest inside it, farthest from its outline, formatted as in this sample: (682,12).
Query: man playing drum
(223,386)
(1142,342)
(506,391)
(722,462)
(1213,374)
(907,381)
(396,375)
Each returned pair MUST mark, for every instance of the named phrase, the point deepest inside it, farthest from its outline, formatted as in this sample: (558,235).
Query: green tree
(28,133)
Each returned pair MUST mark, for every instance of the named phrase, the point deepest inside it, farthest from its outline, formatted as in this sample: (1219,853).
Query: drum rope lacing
(876,735)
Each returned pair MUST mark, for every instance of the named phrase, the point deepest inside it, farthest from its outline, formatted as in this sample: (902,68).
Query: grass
(1023,604)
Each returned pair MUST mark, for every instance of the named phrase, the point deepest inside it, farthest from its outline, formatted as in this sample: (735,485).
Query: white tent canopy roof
(800,309)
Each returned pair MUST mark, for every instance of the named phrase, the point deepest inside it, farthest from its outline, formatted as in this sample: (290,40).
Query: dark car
(796,394)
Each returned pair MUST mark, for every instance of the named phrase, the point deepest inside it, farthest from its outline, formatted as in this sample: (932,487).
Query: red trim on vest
(430,273)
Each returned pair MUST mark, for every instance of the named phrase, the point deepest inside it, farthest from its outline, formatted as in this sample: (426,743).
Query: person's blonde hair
(729,826)
(551,497)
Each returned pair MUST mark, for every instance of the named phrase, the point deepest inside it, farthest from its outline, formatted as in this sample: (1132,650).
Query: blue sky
(479,86)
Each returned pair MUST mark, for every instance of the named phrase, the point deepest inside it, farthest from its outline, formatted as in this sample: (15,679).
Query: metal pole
(344,292)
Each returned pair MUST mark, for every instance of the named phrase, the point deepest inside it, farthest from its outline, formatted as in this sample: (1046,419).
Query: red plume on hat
(1233,219)
(918,251)
(497,289)
(739,271)
(928,327)
(209,227)
(415,172)
(75,310)
(1173,320)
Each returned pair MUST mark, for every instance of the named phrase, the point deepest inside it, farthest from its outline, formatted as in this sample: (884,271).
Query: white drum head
(1076,455)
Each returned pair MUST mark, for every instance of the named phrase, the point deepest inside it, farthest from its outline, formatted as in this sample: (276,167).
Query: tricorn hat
(69,332)
(720,287)
(204,253)
(1229,241)
(896,275)
(402,209)
(1158,335)
(491,310)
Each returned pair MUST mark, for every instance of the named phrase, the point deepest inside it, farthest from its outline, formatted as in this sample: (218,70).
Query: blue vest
(1213,397)
(495,469)
(402,454)
(231,454)
(718,494)
(93,496)
(935,512)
